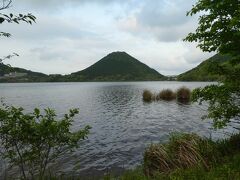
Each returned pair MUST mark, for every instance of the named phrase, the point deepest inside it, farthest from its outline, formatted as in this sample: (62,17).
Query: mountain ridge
(116,66)
(203,72)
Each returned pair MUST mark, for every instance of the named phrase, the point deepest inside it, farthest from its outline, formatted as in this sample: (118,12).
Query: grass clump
(166,95)
(183,95)
(188,156)
(182,151)
(148,96)
(228,169)
(157,159)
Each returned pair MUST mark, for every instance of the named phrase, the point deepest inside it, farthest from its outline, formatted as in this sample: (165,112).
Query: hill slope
(117,66)
(203,71)
(27,76)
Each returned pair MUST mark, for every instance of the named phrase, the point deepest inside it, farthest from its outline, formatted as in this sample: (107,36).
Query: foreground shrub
(183,95)
(182,151)
(148,96)
(31,141)
(166,95)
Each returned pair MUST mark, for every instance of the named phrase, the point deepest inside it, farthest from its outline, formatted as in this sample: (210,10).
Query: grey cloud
(164,13)
(175,33)
(169,35)
(165,20)
(56,3)
(47,29)
(195,56)
(49,53)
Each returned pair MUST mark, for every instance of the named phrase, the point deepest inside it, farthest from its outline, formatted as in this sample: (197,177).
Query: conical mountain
(117,66)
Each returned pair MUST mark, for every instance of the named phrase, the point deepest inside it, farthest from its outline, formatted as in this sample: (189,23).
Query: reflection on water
(122,125)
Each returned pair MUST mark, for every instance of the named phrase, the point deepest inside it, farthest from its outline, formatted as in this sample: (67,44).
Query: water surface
(122,124)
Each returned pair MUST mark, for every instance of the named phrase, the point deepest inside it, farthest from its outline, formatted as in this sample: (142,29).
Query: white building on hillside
(14,75)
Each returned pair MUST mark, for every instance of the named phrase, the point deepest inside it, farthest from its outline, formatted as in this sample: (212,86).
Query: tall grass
(182,151)
(166,95)
(188,156)
(189,151)
(148,96)
(183,95)
(228,169)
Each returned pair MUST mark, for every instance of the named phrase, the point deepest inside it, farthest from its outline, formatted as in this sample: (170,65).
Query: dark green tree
(219,31)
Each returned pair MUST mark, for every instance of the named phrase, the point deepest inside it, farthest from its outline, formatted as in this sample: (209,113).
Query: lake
(122,124)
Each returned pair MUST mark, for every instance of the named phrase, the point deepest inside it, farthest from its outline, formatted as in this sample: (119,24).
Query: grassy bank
(229,169)
(188,156)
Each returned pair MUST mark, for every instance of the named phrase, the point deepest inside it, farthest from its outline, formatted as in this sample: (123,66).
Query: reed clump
(182,151)
(166,95)
(188,156)
(183,95)
(148,96)
(157,159)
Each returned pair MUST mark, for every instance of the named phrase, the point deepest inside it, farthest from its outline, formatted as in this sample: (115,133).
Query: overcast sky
(71,35)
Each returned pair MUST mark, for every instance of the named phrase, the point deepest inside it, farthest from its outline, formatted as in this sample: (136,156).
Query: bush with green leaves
(219,31)
(32,140)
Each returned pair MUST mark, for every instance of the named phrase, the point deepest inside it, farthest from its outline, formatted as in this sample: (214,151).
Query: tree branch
(5,6)
(21,160)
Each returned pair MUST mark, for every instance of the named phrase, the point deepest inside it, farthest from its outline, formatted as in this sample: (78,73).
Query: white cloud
(165,20)
(71,35)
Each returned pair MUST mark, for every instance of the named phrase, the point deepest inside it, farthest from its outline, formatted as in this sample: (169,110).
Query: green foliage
(32,140)
(219,30)
(5,34)
(11,18)
(29,18)
(223,103)
(219,26)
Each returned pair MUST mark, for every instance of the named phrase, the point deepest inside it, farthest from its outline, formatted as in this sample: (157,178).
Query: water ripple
(122,125)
